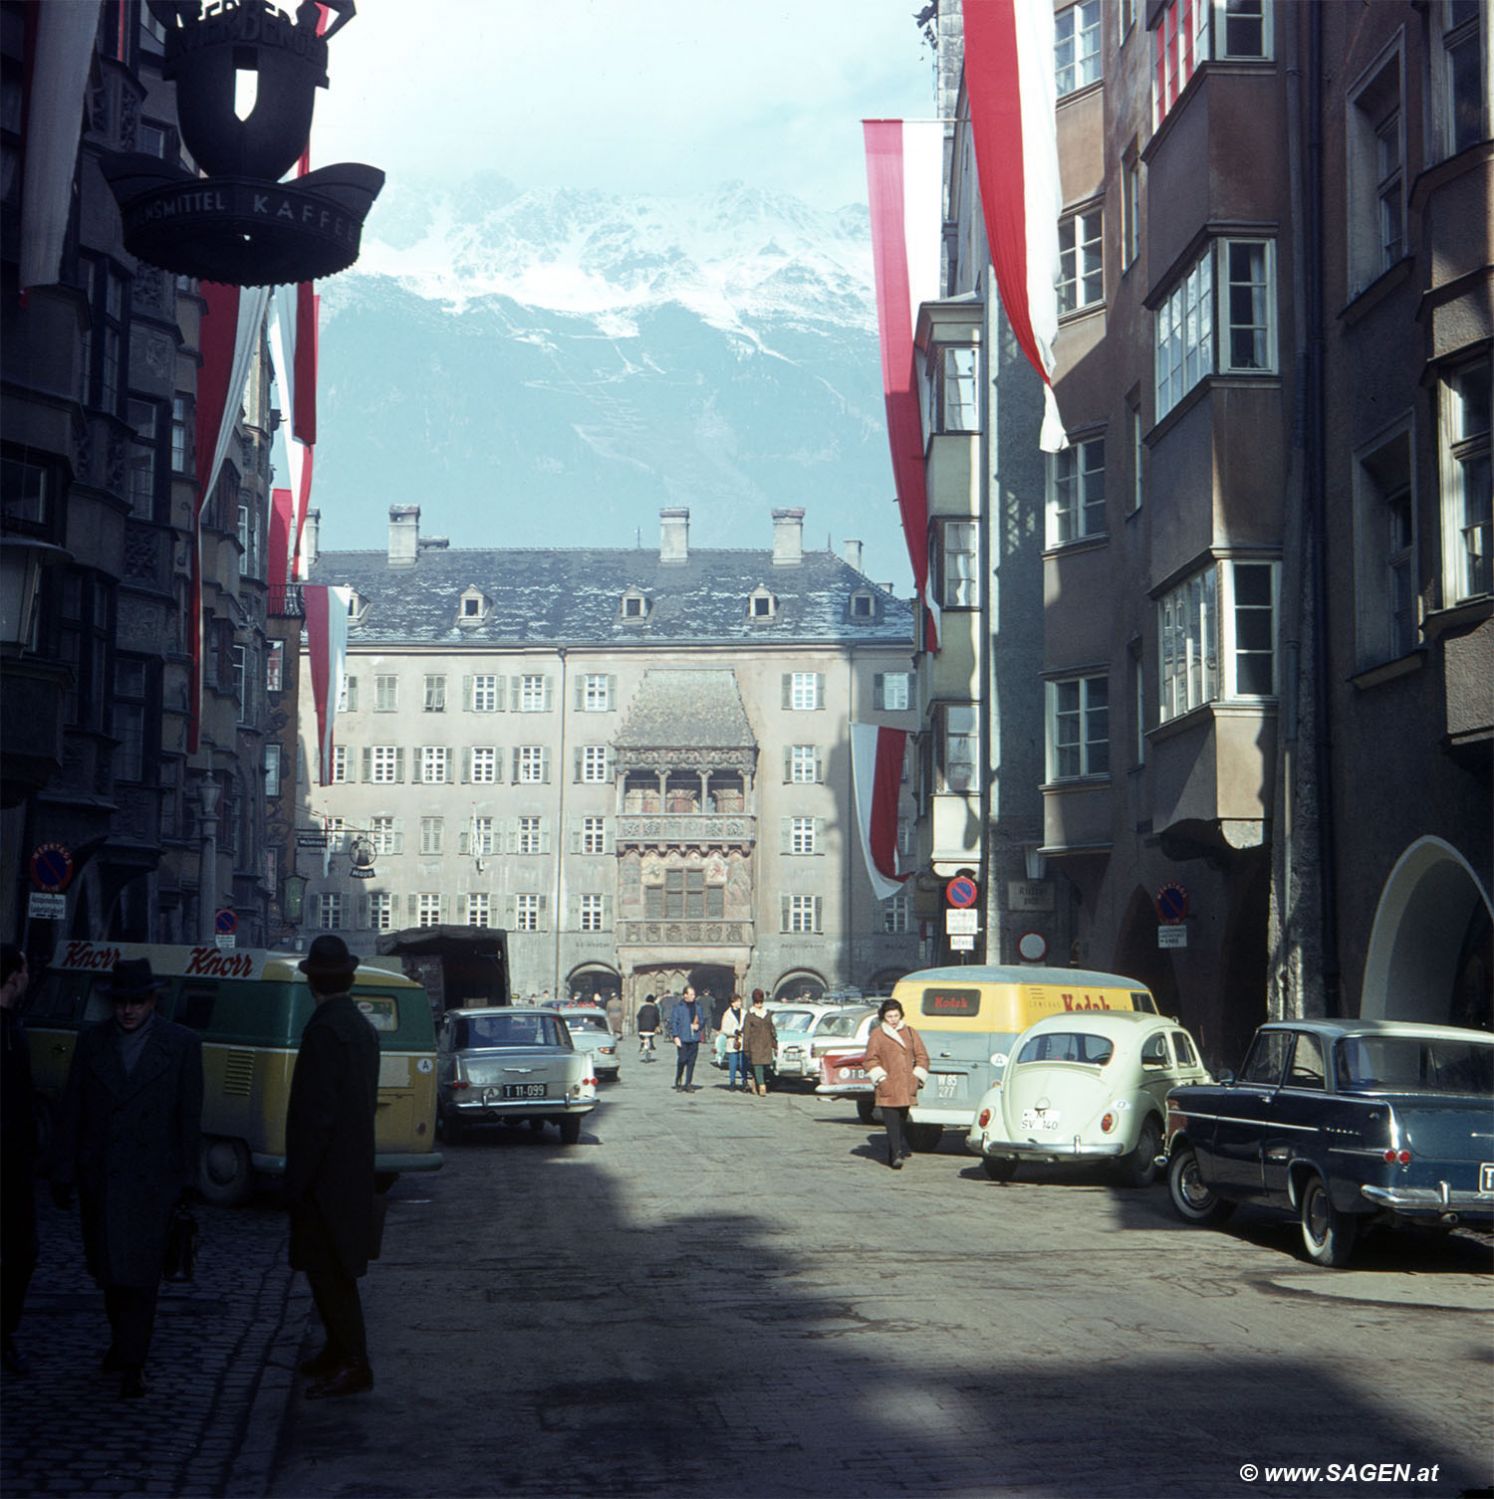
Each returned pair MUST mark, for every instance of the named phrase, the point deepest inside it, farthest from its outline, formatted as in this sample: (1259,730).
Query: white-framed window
(428,909)
(275,666)
(1188,32)
(957,393)
(386,764)
(802,835)
(596,693)
(593,764)
(1076,492)
(1217,636)
(347,695)
(1465,89)
(435,764)
(386,694)
(384,834)
(479,908)
(272,770)
(1247,306)
(1081,275)
(633,605)
(892,691)
(531,764)
(1079,727)
(1130,210)
(486,693)
(484,764)
(329,911)
(593,835)
(803,764)
(1076,46)
(803,691)
(896,913)
(958,560)
(592,912)
(1185,334)
(341,768)
(801,913)
(527,913)
(484,838)
(1242,29)
(1385,591)
(959,747)
(432,835)
(534,694)
(530,835)
(761,604)
(435,694)
(1466,507)
(381,910)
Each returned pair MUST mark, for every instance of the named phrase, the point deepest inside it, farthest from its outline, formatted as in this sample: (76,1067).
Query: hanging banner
(1009,79)
(876,781)
(280,540)
(327,650)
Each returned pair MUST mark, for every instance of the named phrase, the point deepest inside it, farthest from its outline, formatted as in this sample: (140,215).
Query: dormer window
(473,607)
(761,604)
(357,609)
(863,606)
(634,605)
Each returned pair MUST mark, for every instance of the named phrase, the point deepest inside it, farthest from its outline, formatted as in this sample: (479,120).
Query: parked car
(838,1048)
(592,1032)
(514,1063)
(795,1024)
(1345,1123)
(1084,1088)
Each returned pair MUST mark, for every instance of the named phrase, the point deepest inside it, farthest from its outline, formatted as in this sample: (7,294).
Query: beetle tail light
(984,1119)
(1107,1123)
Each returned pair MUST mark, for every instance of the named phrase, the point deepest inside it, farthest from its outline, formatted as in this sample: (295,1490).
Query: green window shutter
(549,697)
(367,762)
(515,692)
(575,837)
(463,841)
(497,764)
(819,689)
(544,913)
(500,694)
(783,913)
(417,766)
(788,690)
(606,913)
(544,837)
(579,701)
(413,907)
(399,765)
(819,835)
(510,843)
(788,766)
(819,765)
(879,690)
(607,835)
(576,764)
(399,838)
(352,694)
(819,913)
(611,692)
(545,766)
(364,918)
(466,694)
(785,835)
(516,765)
(466,765)
(610,769)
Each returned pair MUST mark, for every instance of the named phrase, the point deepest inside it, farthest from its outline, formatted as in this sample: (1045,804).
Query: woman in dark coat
(127,1139)
(329,1164)
(759,1042)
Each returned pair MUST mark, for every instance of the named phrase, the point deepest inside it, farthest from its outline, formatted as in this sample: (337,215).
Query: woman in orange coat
(898,1063)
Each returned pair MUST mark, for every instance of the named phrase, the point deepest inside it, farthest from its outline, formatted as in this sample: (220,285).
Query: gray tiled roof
(707,701)
(573,597)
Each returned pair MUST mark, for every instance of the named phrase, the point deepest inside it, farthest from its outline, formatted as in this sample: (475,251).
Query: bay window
(1076,492)
(1217,637)
(1078,728)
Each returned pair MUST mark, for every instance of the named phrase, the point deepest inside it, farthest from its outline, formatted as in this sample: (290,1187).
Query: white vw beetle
(1085,1087)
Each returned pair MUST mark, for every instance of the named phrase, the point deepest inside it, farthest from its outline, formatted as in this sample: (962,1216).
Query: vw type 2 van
(969,1018)
(249,1006)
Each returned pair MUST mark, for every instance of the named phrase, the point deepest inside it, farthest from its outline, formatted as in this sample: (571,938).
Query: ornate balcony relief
(671,829)
(684,933)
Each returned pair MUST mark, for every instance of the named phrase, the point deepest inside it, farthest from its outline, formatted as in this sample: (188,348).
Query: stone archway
(1429,950)
(797,983)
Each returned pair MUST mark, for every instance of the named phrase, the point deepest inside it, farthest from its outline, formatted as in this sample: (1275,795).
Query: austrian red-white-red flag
(905,191)
(1009,80)
(876,780)
(327,652)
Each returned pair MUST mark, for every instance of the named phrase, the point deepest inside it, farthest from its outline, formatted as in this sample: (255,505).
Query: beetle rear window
(1414,1064)
(1068,1046)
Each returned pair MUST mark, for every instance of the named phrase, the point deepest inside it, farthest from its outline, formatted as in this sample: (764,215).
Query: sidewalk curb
(254,1460)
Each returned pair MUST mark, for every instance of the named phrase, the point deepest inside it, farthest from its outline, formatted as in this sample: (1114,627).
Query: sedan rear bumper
(522,1108)
(1430,1202)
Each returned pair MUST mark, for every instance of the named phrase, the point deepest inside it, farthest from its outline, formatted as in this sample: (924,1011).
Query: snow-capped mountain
(550,367)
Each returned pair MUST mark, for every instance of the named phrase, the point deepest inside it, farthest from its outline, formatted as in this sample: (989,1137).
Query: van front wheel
(225,1176)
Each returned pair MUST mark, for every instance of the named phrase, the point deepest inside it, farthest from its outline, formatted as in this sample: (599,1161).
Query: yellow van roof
(203,961)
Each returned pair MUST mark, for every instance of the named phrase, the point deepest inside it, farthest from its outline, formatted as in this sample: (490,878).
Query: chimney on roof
(853,554)
(404,535)
(311,540)
(788,537)
(674,534)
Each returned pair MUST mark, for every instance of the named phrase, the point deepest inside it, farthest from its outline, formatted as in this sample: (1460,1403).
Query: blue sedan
(1343,1123)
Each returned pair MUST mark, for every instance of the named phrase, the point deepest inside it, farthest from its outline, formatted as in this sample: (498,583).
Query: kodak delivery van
(249,1006)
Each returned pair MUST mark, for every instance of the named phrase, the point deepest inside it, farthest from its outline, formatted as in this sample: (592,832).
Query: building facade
(636,763)
(99,494)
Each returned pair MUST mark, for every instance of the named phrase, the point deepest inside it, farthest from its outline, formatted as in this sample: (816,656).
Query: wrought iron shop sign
(238,223)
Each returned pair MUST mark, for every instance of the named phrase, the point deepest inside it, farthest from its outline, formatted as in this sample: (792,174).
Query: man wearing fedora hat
(329,1165)
(128,1134)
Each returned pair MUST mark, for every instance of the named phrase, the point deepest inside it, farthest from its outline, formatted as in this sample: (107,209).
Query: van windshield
(1068,1046)
(505,1030)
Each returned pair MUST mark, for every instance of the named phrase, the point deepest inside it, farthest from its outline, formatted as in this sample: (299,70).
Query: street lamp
(21,561)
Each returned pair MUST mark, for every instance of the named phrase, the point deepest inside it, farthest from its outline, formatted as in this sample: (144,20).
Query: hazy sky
(622,95)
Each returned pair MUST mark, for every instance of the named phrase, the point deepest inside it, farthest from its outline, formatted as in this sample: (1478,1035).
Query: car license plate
(948,1083)
(1486,1176)
(1031,1119)
(525,1090)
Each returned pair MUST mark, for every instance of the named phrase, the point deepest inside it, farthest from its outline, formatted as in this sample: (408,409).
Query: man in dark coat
(128,1140)
(17,1157)
(329,1165)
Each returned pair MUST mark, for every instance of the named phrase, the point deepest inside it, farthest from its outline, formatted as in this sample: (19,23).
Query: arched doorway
(593,978)
(1429,955)
(714,985)
(802,983)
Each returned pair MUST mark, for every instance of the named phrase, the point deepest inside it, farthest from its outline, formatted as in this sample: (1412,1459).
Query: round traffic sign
(1032,947)
(51,867)
(1172,903)
(962,892)
(225,922)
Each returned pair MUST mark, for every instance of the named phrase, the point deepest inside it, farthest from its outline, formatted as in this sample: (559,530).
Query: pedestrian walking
(615,1013)
(759,1042)
(686,1026)
(733,1028)
(897,1062)
(648,1028)
(128,1141)
(17,1158)
(329,1165)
